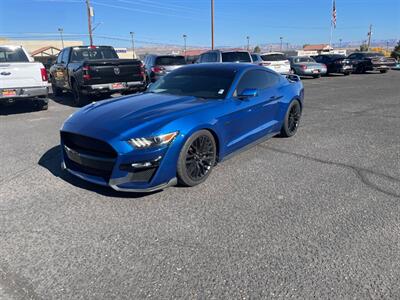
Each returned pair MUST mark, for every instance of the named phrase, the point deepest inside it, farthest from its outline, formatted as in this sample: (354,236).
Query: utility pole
(340,43)
(90,14)
(387,46)
(184,43)
(212,24)
(133,44)
(281,38)
(61,30)
(287,46)
(369,36)
(248,43)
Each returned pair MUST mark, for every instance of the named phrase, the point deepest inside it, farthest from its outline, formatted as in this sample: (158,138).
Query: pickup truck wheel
(79,98)
(41,104)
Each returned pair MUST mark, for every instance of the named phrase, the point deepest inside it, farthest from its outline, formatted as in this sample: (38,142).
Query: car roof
(225,51)
(267,53)
(224,66)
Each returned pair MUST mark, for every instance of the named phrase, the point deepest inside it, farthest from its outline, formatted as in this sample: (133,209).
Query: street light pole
(61,30)
(184,43)
(212,24)
(133,44)
(89,13)
(248,43)
(281,38)
(340,43)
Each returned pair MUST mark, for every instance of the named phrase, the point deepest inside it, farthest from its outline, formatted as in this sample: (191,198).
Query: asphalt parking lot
(314,216)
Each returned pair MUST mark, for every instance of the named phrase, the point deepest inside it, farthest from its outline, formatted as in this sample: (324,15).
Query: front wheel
(197,158)
(292,119)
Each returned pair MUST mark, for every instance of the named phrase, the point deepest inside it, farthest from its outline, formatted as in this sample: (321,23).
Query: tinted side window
(65,56)
(257,79)
(353,56)
(213,57)
(59,57)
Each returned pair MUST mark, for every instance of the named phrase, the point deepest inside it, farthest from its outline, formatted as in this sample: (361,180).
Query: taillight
(86,75)
(303,67)
(43,73)
(142,70)
(158,69)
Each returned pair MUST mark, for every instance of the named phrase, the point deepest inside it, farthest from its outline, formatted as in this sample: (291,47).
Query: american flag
(334,14)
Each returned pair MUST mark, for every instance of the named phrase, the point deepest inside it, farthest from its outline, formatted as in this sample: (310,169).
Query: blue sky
(164,21)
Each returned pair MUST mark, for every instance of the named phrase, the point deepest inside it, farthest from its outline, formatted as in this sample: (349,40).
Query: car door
(58,74)
(254,117)
(64,67)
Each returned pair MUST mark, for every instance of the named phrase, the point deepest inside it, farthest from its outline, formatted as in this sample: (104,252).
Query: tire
(383,71)
(292,119)
(317,76)
(346,73)
(197,158)
(56,90)
(41,104)
(79,98)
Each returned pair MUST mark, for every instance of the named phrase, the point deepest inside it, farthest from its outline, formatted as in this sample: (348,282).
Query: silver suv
(159,65)
(219,56)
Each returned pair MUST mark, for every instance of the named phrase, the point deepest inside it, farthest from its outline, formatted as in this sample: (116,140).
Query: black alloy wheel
(197,158)
(292,119)
(79,98)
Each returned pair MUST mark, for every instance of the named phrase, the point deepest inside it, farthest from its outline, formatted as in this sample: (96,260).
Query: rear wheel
(197,158)
(346,73)
(42,104)
(80,99)
(292,119)
(56,90)
(383,71)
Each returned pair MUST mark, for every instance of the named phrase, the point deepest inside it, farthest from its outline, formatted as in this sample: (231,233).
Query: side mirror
(248,93)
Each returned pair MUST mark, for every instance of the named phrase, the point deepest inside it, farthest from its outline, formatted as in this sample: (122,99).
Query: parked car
(276,61)
(306,66)
(396,66)
(370,61)
(157,66)
(181,127)
(257,60)
(335,63)
(219,56)
(21,77)
(95,70)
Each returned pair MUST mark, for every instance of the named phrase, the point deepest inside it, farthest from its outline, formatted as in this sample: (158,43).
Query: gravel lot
(317,215)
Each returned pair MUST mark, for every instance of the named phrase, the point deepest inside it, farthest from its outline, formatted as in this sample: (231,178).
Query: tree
(363,47)
(396,51)
(257,49)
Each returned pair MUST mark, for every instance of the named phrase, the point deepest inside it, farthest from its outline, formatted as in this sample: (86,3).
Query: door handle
(5,73)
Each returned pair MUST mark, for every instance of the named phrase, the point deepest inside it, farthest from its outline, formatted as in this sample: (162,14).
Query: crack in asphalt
(359,171)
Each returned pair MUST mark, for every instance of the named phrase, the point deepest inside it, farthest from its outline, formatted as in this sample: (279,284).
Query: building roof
(46,51)
(317,47)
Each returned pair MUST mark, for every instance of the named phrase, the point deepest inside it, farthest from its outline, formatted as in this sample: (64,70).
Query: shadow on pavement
(21,106)
(51,160)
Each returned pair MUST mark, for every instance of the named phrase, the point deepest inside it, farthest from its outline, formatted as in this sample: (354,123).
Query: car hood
(145,112)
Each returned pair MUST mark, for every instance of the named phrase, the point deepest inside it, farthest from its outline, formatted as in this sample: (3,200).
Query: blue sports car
(181,127)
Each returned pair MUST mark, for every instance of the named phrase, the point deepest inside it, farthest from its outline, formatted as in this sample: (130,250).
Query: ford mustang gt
(181,127)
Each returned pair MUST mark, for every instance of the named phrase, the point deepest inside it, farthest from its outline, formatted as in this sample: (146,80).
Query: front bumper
(28,92)
(109,87)
(127,170)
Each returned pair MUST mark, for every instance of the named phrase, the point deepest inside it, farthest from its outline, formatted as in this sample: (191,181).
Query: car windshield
(8,54)
(273,57)
(303,59)
(235,57)
(198,82)
(80,54)
(170,60)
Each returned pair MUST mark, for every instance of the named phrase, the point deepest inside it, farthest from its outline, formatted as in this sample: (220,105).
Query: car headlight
(163,139)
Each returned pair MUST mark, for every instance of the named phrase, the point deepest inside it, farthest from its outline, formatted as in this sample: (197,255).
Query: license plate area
(315,71)
(9,93)
(117,86)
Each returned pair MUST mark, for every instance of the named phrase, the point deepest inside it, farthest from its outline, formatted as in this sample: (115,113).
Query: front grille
(88,155)
(88,145)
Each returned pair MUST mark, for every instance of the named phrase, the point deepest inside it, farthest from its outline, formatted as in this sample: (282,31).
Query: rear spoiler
(292,77)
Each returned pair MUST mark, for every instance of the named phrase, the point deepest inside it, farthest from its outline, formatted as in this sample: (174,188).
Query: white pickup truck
(21,77)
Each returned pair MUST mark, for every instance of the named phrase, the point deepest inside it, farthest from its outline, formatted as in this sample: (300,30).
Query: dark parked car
(219,56)
(95,70)
(257,59)
(370,61)
(159,65)
(335,63)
